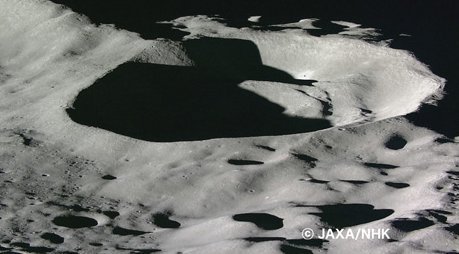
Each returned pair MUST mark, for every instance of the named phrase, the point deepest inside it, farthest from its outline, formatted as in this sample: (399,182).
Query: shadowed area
(379,165)
(72,221)
(397,185)
(288,249)
(162,220)
(111,214)
(138,251)
(348,215)
(165,103)
(262,220)
(125,231)
(263,239)
(26,247)
(408,225)
(453,229)
(396,142)
(305,157)
(53,238)
(244,162)
(432,40)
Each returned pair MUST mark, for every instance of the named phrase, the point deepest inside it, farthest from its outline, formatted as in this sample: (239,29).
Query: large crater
(243,83)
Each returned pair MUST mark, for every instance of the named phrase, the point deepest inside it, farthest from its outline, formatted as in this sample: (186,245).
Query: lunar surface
(204,133)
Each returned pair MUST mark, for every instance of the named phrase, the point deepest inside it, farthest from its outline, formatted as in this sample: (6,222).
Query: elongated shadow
(166,103)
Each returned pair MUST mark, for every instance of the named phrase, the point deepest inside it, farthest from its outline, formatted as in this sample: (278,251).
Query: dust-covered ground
(226,139)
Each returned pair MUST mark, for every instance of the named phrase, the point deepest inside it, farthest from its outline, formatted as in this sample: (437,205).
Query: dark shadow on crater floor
(409,225)
(348,215)
(72,221)
(26,247)
(162,220)
(434,39)
(125,231)
(166,103)
(262,220)
(395,142)
(287,249)
(244,162)
(53,238)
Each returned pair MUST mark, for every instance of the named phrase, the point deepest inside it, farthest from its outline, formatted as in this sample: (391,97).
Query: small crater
(408,225)
(318,181)
(439,211)
(108,177)
(139,251)
(444,140)
(263,239)
(111,214)
(72,221)
(438,217)
(267,148)
(355,182)
(162,220)
(124,231)
(79,208)
(53,238)
(397,185)
(76,208)
(327,108)
(396,142)
(453,229)
(380,165)
(28,141)
(262,220)
(346,215)
(304,157)
(311,242)
(365,111)
(27,248)
(287,249)
(72,53)
(244,162)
